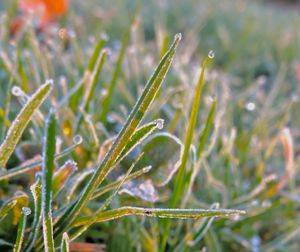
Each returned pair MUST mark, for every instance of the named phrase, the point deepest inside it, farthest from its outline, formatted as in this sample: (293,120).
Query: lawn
(150,126)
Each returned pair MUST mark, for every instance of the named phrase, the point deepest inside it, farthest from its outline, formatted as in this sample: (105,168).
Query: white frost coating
(160,123)
(26,210)
(211,54)
(16,91)
(77,139)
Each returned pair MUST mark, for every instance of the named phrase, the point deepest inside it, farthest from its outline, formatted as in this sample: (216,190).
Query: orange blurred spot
(46,10)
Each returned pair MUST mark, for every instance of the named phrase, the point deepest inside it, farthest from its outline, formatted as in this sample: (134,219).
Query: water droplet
(50,81)
(178,36)
(211,54)
(160,123)
(16,91)
(250,106)
(147,169)
(26,210)
(77,139)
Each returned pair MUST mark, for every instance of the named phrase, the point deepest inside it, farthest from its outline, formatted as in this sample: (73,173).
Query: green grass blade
(64,247)
(156,212)
(207,129)
(48,168)
(116,73)
(21,229)
(36,190)
(94,57)
(18,126)
(139,135)
(180,177)
(126,132)
(89,93)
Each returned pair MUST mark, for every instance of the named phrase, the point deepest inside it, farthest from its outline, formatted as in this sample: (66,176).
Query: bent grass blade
(18,126)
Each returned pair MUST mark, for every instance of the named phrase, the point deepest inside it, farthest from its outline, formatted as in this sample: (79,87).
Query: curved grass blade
(139,135)
(48,168)
(64,247)
(130,126)
(21,229)
(18,126)
(156,212)
(179,184)
(36,190)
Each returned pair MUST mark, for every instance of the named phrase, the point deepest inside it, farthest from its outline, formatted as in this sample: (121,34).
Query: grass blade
(116,73)
(6,207)
(18,126)
(21,229)
(64,247)
(36,190)
(48,168)
(180,177)
(156,212)
(130,126)
(89,93)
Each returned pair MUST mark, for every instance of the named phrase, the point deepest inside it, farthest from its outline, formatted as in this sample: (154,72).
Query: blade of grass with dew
(180,178)
(21,229)
(64,247)
(156,212)
(48,168)
(36,190)
(139,135)
(126,132)
(89,93)
(26,168)
(102,190)
(18,126)
(115,76)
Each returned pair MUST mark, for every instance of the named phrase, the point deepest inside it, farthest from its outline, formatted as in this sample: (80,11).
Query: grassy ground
(239,151)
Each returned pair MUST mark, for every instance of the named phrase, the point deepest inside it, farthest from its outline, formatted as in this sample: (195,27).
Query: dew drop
(250,106)
(49,81)
(77,139)
(178,36)
(160,123)
(104,36)
(211,54)
(16,91)
(26,210)
(147,169)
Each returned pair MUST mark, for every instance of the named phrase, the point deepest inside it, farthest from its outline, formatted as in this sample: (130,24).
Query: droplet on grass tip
(77,139)
(26,210)
(211,54)
(160,123)
(16,91)
(178,36)
(49,81)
